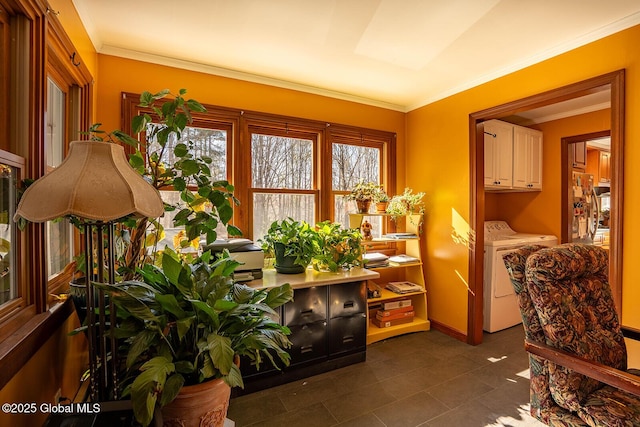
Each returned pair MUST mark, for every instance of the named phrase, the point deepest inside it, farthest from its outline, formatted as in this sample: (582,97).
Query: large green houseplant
(181,320)
(187,322)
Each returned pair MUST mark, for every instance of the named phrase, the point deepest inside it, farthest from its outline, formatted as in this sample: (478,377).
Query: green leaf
(181,150)
(189,167)
(170,304)
(138,124)
(226,213)
(171,388)
(234,379)
(140,343)
(153,375)
(179,184)
(195,106)
(279,295)
(221,352)
(184,325)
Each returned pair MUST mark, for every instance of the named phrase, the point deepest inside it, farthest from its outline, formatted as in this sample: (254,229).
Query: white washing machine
(500,305)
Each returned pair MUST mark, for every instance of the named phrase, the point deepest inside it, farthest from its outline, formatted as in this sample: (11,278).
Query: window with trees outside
(201,141)
(282,178)
(280,166)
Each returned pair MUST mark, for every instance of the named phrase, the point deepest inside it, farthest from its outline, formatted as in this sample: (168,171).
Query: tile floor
(423,379)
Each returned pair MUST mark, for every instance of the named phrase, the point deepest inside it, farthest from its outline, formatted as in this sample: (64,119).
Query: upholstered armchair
(578,357)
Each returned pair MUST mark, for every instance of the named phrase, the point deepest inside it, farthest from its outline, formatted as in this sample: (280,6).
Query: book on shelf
(390,305)
(387,323)
(399,315)
(394,311)
(375,259)
(403,287)
(403,259)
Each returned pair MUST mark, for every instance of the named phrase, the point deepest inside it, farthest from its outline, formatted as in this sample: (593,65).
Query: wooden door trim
(615,81)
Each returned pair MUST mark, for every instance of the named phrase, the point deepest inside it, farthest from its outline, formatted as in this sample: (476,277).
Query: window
(201,141)
(11,293)
(60,245)
(280,166)
(352,164)
(282,178)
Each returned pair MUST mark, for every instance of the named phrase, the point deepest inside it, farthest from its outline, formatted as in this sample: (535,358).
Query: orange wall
(539,212)
(438,134)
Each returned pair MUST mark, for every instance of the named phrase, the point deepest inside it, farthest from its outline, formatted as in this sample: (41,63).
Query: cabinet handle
(348,338)
(348,304)
(306,349)
(306,312)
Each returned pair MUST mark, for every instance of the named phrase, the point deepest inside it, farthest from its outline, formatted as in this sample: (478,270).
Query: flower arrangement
(405,203)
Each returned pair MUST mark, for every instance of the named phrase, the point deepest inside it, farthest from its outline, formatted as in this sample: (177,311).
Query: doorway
(612,82)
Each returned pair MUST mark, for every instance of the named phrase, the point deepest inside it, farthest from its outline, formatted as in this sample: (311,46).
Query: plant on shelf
(292,243)
(405,204)
(337,248)
(381,200)
(187,323)
(363,193)
(205,202)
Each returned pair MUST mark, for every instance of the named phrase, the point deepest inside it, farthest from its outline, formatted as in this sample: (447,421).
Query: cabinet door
(605,166)
(579,154)
(498,154)
(347,334)
(527,158)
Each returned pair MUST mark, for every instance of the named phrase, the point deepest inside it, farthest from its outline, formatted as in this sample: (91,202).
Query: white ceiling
(398,54)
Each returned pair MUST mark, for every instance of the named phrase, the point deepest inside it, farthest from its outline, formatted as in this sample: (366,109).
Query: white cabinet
(498,154)
(512,157)
(527,158)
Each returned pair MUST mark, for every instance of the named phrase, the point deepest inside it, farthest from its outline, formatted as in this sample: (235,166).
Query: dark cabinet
(328,330)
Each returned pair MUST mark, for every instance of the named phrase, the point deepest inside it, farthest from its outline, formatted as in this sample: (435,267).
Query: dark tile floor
(421,379)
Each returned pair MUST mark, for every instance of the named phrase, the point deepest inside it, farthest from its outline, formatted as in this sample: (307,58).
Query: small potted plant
(363,193)
(337,248)
(405,204)
(292,243)
(382,201)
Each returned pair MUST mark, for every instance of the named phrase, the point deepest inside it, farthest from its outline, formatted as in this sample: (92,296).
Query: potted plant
(205,202)
(292,243)
(363,193)
(405,204)
(337,248)
(382,201)
(187,323)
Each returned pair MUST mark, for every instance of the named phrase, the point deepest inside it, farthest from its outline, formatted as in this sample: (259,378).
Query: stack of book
(394,313)
(375,259)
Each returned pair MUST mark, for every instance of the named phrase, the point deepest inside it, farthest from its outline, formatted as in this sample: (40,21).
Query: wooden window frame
(42,41)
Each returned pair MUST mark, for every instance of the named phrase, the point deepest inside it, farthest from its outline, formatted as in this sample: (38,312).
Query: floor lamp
(95,184)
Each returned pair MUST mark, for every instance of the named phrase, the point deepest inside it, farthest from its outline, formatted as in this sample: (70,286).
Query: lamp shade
(94,182)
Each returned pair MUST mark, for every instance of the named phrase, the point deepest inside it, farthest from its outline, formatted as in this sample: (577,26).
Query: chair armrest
(614,377)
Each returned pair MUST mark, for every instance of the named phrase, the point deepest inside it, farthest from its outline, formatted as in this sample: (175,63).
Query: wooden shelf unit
(396,272)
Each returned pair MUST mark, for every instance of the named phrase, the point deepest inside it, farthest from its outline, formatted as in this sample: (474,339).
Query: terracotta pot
(200,405)
(363,205)
(381,207)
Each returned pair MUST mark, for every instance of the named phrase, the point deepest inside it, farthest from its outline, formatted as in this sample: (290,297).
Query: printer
(248,254)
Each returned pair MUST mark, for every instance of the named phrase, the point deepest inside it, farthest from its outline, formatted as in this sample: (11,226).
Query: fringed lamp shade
(94,182)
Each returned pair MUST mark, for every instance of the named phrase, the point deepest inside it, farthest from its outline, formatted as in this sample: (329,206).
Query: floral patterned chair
(577,357)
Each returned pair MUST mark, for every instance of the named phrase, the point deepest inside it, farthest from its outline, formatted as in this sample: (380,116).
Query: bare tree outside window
(201,142)
(352,164)
(281,163)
